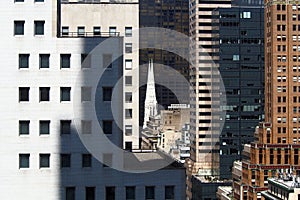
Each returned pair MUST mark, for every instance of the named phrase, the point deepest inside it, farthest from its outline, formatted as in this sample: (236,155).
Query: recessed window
(97,30)
(65,127)
(90,193)
(80,30)
(128,80)
(19,27)
(19,0)
(65,94)
(86,94)
(65,31)
(107,60)
(24,160)
(38,0)
(150,192)
(86,160)
(39,27)
(65,160)
(107,93)
(236,57)
(107,126)
(130,192)
(128,31)
(110,193)
(169,192)
(44,60)
(44,127)
(85,61)
(128,130)
(128,97)
(128,146)
(112,31)
(128,47)
(65,60)
(24,127)
(44,160)
(44,93)
(24,94)
(128,64)
(86,127)
(23,61)
(128,113)
(70,193)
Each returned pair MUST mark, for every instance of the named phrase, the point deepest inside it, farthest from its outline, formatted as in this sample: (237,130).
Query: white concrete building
(50,95)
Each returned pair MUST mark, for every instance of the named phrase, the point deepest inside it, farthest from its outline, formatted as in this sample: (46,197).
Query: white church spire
(150,101)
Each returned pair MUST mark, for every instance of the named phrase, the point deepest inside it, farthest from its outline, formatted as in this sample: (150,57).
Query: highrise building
(276,150)
(240,52)
(56,101)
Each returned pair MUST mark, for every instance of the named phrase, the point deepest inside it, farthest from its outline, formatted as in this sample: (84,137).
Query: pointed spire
(150,101)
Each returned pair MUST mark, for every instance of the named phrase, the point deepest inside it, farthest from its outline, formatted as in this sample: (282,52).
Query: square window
(65,94)
(44,60)
(128,47)
(44,93)
(39,27)
(44,127)
(128,31)
(128,113)
(90,193)
(65,160)
(107,93)
(128,97)
(23,61)
(70,193)
(86,127)
(130,192)
(107,159)
(44,160)
(65,127)
(128,130)
(169,192)
(81,30)
(110,193)
(65,60)
(24,127)
(85,61)
(24,160)
(86,94)
(86,160)
(97,30)
(19,26)
(128,80)
(24,94)
(107,60)
(149,192)
(107,126)
(128,64)
(65,31)
(112,31)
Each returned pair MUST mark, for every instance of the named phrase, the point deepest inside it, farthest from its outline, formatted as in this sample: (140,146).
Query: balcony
(89,34)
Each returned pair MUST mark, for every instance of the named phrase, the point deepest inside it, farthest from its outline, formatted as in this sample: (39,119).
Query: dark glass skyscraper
(240,44)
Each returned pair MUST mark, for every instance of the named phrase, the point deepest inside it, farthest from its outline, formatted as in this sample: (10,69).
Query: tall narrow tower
(278,138)
(150,102)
